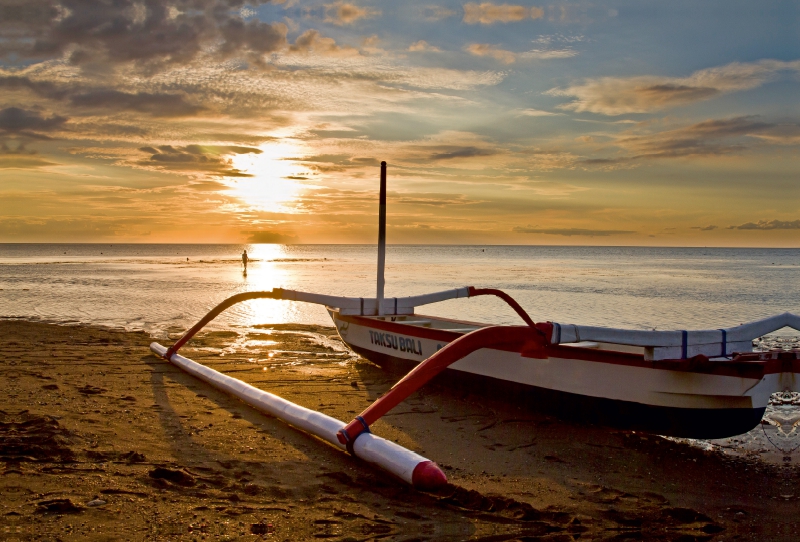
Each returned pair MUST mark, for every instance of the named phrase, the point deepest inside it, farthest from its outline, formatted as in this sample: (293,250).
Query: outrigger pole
(410,467)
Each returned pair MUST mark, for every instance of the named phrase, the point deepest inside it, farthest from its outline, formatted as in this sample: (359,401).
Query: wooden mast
(381,239)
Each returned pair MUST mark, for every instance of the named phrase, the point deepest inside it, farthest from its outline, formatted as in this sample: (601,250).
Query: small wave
(287,260)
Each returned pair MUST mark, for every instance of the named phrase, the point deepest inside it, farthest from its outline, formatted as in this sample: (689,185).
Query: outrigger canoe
(685,383)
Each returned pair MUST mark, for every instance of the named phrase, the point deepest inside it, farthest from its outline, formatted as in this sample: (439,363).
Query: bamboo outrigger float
(687,383)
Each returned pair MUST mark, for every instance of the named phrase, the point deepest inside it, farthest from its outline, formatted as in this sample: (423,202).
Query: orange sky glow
(569,123)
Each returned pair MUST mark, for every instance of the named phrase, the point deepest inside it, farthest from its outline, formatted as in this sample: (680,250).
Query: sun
(276,181)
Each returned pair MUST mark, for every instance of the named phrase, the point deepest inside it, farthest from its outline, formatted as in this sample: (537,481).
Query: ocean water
(157,288)
(164,289)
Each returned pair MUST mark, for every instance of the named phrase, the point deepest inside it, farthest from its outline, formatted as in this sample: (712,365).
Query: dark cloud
(205,160)
(326,163)
(641,94)
(569,232)
(16,121)
(169,32)
(667,93)
(82,95)
(768,225)
(711,137)
(270,237)
(432,199)
(708,138)
(710,227)
(254,37)
(155,104)
(366,161)
(737,126)
(448,153)
(19,157)
(158,105)
(45,89)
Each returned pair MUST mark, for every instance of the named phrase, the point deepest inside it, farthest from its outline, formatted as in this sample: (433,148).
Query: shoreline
(90,415)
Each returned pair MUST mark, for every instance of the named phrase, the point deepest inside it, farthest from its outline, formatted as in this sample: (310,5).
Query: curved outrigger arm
(364,306)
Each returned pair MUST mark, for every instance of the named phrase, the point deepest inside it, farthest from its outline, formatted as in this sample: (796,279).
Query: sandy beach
(100,439)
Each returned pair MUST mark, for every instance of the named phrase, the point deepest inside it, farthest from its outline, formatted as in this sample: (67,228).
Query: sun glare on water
(274,266)
(275,181)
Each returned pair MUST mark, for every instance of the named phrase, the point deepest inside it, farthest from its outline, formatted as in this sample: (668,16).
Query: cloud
(484,49)
(19,157)
(252,38)
(768,225)
(46,89)
(488,13)
(642,94)
(157,105)
(710,227)
(340,13)
(536,113)
(431,199)
(781,134)
(202,160)
(451,152)
(436,13)
(710,137)
(23,122)
(713,137)
(312,41)
(509,57)
(422,45)
(569,232)
(546,54)
(270,237)
(92,32)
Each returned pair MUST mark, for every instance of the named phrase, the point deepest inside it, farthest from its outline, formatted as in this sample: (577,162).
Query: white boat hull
(615,388)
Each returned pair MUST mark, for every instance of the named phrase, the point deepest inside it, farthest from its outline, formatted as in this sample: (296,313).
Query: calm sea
(167,287)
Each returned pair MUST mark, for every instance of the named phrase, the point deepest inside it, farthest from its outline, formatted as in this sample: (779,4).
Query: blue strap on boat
(364,423)
(684,344)
(362,306)
(395,305)
(724,343)
(351,442)
(558,333)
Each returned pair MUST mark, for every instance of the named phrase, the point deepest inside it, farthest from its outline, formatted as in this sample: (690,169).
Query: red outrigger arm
(474,292)
(520,338)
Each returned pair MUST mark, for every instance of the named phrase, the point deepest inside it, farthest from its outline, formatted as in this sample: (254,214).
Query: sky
(564,123)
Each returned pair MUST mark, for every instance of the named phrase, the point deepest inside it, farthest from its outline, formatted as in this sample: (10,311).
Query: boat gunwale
(749,369)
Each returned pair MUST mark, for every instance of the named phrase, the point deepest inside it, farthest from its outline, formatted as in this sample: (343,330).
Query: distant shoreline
(389,244)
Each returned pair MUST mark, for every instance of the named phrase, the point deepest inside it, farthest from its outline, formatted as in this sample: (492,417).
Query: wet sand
(100,439)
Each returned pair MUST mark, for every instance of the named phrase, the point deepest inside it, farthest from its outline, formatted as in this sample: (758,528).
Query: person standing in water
(244,260)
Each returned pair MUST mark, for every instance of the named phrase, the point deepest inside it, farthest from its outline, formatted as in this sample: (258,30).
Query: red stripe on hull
(753,366)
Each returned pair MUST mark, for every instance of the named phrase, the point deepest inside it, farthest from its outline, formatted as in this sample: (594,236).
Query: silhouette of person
(244,260)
